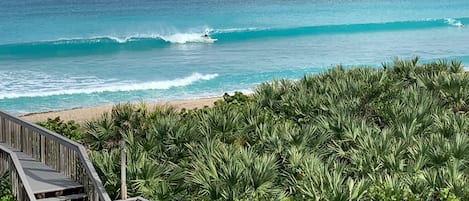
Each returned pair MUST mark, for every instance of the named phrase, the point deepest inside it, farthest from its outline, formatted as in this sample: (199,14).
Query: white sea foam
(454,22)
(181,38)
(118,39)
(97,39)
(98,86)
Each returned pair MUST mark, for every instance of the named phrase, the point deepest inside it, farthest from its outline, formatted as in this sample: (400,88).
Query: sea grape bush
(68,129)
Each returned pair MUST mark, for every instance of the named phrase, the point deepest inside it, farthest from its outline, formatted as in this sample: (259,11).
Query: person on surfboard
(206,33)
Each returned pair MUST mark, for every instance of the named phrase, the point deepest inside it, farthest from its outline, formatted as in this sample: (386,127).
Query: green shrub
(68,129)
(5,192)
(237,98)
(400,132)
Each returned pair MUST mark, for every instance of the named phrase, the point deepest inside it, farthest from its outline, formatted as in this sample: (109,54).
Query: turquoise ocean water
(57,54)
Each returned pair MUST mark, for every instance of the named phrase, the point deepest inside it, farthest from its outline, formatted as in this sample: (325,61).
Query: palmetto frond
(231,173)
(397,133)
(101,133)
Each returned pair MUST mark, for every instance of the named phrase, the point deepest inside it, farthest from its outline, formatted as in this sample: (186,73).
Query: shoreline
(83,114)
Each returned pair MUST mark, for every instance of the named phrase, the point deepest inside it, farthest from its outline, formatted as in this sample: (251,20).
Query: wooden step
(80,196)
(58,193)
(42,178)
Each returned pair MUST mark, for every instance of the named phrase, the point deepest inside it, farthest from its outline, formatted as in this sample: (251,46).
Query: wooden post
(123,171)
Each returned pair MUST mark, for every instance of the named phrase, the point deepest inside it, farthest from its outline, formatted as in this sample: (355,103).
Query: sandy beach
(80,115)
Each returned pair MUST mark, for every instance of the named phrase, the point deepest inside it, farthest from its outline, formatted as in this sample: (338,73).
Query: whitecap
(100,86)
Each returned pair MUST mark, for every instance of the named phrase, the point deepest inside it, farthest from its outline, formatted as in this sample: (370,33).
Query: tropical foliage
(68,129)
(400,132)
(5,191)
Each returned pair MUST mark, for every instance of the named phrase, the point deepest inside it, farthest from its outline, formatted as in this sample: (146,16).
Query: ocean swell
(138,42)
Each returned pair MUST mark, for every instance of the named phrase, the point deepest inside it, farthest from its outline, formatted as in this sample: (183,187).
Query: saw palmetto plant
(399,132)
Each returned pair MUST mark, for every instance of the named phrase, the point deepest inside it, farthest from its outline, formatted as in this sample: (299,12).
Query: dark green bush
(400,132)
(68,129)
(5,192)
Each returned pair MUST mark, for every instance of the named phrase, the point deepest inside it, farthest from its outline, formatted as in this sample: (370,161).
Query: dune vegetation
(5,191)
(399,132)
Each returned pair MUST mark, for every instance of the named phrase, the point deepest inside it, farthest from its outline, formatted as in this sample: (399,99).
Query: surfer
(206,33)
(206,37)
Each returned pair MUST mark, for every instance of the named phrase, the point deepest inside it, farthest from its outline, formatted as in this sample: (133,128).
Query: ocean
(58,54)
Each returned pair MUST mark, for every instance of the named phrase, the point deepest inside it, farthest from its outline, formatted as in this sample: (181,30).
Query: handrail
(56,151)
(21,175)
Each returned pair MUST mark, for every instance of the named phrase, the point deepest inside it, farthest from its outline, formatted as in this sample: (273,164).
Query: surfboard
(209,40)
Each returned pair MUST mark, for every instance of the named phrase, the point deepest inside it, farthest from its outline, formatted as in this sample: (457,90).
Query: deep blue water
(57,54)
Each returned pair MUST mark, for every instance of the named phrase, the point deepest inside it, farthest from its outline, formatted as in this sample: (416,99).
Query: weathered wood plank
(41,178)
(54,151)
(20,187)
(67,197)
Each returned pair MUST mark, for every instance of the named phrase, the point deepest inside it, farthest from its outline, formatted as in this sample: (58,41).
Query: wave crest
(454,22)
(136,42)
(179,38)
(182,38)
(117,87)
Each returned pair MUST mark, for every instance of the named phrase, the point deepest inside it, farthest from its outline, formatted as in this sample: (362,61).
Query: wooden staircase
(46,183)
(73,194)
(73,197)
(45,166)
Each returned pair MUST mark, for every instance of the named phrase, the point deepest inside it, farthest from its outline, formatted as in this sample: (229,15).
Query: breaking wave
(99,87)
(109,44)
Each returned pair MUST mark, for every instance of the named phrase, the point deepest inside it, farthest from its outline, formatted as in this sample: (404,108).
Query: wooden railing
(54,150)
(20,188)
